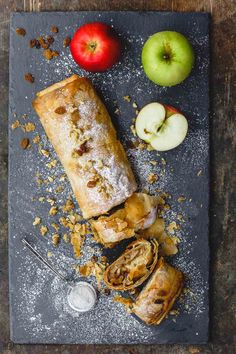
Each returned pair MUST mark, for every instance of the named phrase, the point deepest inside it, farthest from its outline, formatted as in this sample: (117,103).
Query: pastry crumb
(49,254)
(152,178)
(53,211)
(36,221)
(43,230)
(55,239)
(29,127)
(15,125)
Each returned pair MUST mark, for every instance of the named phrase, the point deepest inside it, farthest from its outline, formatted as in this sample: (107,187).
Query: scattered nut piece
(59,189)
(66,42)
(20,31)
(55,226)
(51,201)
(149,147)
(60,110)
(15,125)
(42,42)
(133,130)
(54,29)
(153,162)
(199,173)
(43,230)
(44,152)
(181,199)
(127,98)
(66,238)
(172,227)
(51,179)
(100,164)
(36,139)
(49,54)
(29,77)
(69,205)
(134,105)
(24,143)
(152,178)
(51,164)
(29,127)
(163,161)
(53,210)
(117,111)
(63,177)
(49,254)
(86,269)
(37,221)
(41,199)
(55,239)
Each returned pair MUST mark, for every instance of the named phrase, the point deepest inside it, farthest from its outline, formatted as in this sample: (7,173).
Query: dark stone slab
(39,312)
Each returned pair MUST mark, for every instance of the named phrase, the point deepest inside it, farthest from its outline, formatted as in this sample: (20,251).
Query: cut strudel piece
(133,267)
(139,213)
(80,129)
(158,296)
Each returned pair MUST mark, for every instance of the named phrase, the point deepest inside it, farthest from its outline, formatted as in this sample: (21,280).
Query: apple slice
(149,120)
(161,126)
(172,133)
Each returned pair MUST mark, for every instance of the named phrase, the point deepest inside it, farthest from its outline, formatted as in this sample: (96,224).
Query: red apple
(95,47)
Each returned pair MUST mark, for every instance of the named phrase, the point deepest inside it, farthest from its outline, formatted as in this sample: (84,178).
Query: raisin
(20,31)
(32,43)
(29,77)
(66,42)
(60,110)
(82,149)
(24,143)
(54,29)
(50,40)
(92,184)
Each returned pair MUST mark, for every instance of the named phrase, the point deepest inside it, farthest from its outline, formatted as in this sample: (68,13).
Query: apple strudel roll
(157,298)
(80,130)
(133,267)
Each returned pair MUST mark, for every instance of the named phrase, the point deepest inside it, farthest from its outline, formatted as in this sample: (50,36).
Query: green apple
(167,58)
(161,126)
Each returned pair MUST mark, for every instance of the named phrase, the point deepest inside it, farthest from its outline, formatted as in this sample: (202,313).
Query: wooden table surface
(223,174)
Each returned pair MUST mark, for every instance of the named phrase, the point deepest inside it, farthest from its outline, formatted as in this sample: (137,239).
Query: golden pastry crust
(133,267)
(80,129)
(157,298)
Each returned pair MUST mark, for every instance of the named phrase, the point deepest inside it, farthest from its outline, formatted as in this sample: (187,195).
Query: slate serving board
(38,306)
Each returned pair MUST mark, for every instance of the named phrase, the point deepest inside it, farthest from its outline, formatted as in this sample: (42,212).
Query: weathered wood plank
(223,140)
